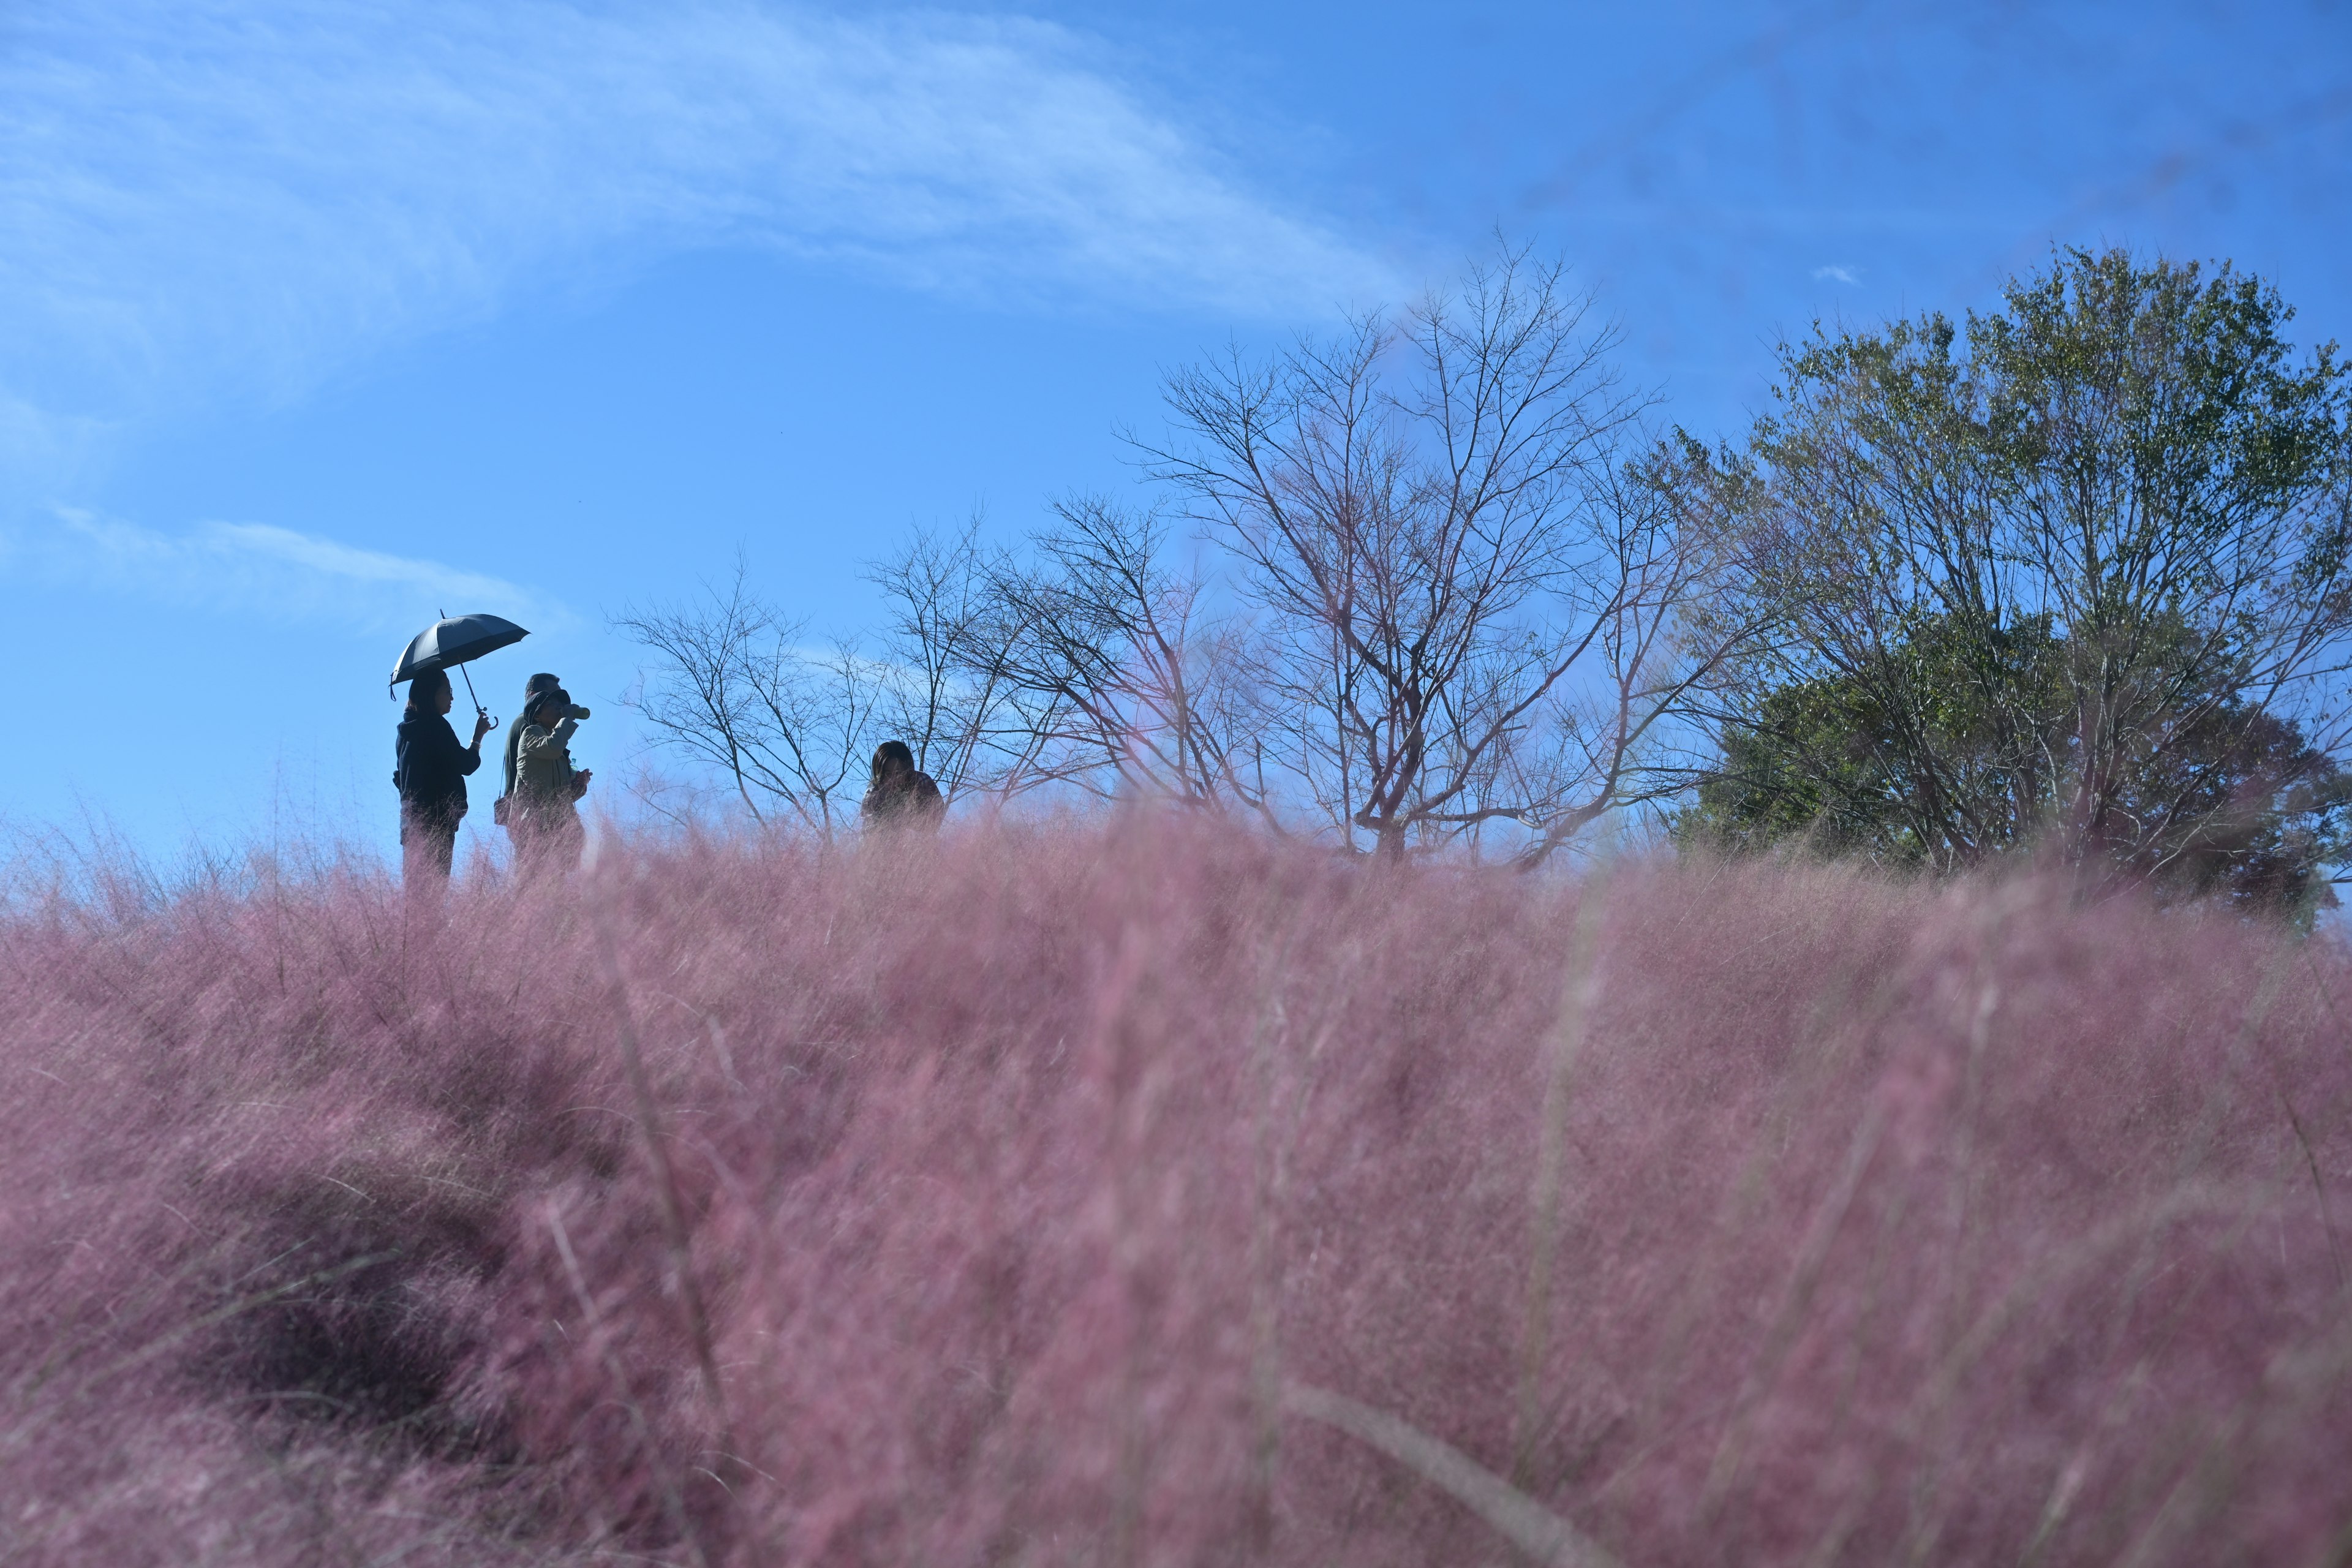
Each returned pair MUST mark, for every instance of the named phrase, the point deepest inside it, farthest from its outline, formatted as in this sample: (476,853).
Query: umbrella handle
(469,676)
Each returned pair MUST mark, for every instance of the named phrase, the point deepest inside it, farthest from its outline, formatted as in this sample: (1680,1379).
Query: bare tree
(943,695)
(1153,687)
(1081,662)
(1470,603)
(1458,612)
(1627,736)
(739,688)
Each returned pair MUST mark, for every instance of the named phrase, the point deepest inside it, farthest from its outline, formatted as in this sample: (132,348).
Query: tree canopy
(2071,575)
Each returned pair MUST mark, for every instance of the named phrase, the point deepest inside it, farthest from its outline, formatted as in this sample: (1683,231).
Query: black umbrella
(453,642)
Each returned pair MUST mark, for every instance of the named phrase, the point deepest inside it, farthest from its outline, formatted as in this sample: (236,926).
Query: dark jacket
(906,800)
(430,768)
(514,746)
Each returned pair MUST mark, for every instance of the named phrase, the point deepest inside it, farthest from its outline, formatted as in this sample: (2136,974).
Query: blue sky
(315,318)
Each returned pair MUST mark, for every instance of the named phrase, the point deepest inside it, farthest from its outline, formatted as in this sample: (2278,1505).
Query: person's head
(430,693)
(551,707)
(892,762)
(538,683)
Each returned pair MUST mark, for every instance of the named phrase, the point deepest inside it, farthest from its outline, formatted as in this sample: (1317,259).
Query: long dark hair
(427,685)
(888,755)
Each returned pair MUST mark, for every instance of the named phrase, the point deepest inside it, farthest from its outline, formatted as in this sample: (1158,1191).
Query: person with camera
(542,681)
(429,770)
(543,811)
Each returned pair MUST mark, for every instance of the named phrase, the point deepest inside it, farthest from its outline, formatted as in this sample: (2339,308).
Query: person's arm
(535,739)
(534,763)
(469,758)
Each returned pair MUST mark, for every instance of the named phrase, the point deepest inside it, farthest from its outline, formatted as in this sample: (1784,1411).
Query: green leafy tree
(2072,576)
(1825,763)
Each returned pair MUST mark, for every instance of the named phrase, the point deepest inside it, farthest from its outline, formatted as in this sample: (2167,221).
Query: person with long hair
(429,770)
(899,794)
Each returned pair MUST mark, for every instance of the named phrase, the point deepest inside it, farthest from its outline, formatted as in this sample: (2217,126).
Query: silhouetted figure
(531,689)
(898,794)
(545,812)
(429,770)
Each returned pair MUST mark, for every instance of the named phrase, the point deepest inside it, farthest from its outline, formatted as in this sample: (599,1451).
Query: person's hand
(580,782)
(483,725)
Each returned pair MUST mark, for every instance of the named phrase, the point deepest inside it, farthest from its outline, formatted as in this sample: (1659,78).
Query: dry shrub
(1029,1197)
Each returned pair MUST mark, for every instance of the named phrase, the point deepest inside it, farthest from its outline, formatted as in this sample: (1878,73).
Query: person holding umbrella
(430,769)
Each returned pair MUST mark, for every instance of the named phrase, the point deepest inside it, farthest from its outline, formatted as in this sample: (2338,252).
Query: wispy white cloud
(210,198)
(274,572)
(42,449)
(1838,273)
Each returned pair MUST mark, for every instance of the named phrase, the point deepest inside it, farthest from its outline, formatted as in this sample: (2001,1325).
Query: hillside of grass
(1146,1192)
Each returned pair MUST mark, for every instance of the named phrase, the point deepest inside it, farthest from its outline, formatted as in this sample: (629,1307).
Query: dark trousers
(429,846)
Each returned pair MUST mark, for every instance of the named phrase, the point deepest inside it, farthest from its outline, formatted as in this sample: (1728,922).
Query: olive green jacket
(543,767)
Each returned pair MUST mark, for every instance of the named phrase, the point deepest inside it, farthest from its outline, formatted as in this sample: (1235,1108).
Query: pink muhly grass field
(1147,1192)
